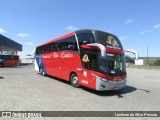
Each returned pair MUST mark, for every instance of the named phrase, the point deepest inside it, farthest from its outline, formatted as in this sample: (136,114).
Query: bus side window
(8,57)
(60,45)
(54,47)
(0,56)
(43,49)
(75,47)
(15,57)
(71,43)
(89,60)
(49,46)
(68,44)
(37,52)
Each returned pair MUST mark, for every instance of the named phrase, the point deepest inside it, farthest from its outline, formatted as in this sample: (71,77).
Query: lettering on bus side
(56,55)
(65,55)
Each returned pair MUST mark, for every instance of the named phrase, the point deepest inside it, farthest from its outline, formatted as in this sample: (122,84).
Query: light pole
(147,56)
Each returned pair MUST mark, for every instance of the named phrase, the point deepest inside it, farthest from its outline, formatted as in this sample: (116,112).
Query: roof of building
(10,43)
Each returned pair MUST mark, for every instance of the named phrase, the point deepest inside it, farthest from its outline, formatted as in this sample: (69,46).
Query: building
(146,60)
(26,58)
(7,45)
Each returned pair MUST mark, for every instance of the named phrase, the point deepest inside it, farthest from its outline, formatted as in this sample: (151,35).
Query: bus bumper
(103,84)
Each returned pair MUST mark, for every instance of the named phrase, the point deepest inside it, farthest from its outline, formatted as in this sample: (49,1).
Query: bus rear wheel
(42,71)
(1,65)
(74,80)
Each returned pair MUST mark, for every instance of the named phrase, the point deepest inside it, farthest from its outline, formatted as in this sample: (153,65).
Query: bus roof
(59,38)
(67,35)
(71,34)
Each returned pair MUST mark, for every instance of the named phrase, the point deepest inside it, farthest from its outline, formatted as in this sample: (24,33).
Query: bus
(8,60)
(91,58)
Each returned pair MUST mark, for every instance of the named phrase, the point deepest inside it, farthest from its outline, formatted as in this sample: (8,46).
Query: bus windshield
(113,64)
(108,40)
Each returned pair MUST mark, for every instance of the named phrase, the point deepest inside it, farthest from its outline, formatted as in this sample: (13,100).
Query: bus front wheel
(74,80)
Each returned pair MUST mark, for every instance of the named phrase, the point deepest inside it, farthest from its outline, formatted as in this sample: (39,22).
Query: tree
(128,59)
(12,52)
(157,62)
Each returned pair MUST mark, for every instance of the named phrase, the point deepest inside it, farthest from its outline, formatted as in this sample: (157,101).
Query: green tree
(128,59)
(12,52)
(157,62)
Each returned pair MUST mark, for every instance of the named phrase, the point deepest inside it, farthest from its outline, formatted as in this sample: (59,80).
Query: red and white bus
(8,60)
(90,58)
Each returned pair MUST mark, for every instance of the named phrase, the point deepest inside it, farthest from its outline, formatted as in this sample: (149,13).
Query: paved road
(23,89)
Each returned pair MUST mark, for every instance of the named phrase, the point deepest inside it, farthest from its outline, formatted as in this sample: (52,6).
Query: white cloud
(2,30)
(71,28)
(22,35)
(123,37)
(156,26)
(146,31)
(129,21)
(29,43)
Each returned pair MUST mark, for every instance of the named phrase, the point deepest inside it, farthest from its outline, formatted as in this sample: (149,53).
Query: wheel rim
(75,80)
(43,73)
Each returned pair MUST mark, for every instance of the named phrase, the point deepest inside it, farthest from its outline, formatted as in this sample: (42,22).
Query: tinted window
(68,44)
(38,50)
(54,46)
(90,60)
(15,57)
(64,44)
(1,57)
(108,40)
(9,57)
(46,48)
(84,38)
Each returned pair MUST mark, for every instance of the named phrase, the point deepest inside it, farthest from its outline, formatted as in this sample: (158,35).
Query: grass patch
(144,67)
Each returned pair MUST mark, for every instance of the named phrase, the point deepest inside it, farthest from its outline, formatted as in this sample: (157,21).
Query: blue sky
(33,22)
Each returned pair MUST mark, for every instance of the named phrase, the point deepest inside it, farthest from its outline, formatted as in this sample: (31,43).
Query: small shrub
(157,62)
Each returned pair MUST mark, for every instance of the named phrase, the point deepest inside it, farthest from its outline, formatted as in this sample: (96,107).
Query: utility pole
(147,56)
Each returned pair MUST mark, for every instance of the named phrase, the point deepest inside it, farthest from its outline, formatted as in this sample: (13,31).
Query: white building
(26,58)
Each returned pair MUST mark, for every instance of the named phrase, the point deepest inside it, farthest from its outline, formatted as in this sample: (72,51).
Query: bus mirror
(100,46)
(132,51)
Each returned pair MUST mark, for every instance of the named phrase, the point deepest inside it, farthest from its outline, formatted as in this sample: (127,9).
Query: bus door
(90,63)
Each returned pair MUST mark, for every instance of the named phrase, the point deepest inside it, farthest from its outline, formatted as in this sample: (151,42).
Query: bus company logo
(46,56)
(66,55)
(56,55)
(111,41)
(6,114)
(85,58)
